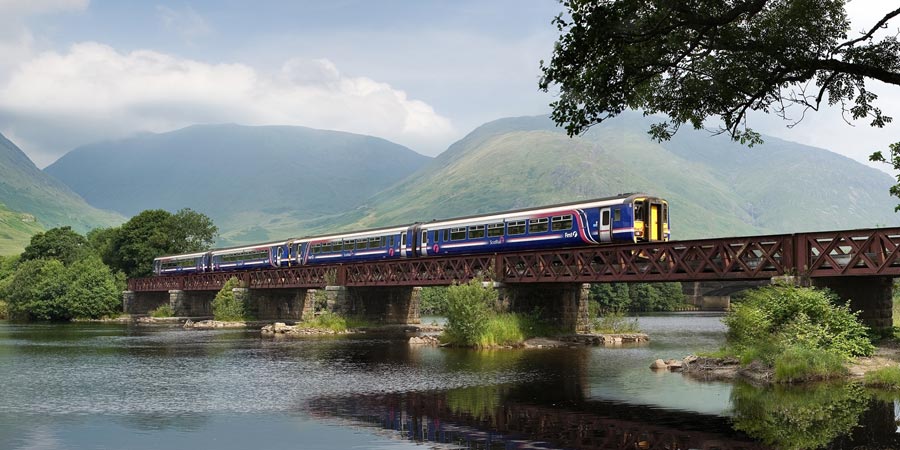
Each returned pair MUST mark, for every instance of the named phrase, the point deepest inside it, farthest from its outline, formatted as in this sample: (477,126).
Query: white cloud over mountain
(92,91)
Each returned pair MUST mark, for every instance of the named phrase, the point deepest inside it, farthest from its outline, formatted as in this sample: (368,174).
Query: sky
(419,73)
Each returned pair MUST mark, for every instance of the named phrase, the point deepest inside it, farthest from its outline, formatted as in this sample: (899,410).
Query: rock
(688,360)
(675,365)
(658,365)
(424,340)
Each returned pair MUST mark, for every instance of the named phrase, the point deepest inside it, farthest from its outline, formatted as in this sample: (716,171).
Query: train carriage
(181,264)
(369,245)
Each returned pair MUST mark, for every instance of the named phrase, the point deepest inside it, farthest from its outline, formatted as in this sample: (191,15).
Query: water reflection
(93,386)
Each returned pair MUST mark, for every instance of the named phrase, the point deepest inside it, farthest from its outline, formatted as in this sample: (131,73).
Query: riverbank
(887,354)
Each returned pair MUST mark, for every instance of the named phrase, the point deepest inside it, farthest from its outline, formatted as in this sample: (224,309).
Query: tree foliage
(228,308)
(637,296)
(62,244)
(132,247)
(46,289)
(715,58)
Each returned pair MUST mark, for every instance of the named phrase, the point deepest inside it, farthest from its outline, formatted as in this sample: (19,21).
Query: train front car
(181,264)
(650,218)
(591,222)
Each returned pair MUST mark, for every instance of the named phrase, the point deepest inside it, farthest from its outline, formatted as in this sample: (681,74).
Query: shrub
(804,317)
(163,311)
(798,363)
(614,322)
(226,307)
(469,306)
(886,377)
(4,311)
(335,322)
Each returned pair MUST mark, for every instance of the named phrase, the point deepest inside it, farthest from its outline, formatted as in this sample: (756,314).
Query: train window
(403,240)
(360,244)
(457,234)
(562,223)
(446,236)
(391,242)
(495,229)
(424,238)
(316,249)
(517,227)
(665,213)
(348,244)
(617,215)
(638,211)
(537,225)
(605,218)
(476,232)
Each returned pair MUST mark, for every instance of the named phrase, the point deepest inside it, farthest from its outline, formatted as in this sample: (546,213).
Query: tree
(716,58)
(46,289)
(152,233)
(61,244)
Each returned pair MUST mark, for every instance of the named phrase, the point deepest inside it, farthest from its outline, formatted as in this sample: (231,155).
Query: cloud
(186,22)
(92,92)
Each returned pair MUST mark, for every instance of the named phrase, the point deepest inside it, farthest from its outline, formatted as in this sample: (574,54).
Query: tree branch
(884,20)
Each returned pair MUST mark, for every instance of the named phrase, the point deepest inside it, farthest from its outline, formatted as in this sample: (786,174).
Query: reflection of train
(626,218)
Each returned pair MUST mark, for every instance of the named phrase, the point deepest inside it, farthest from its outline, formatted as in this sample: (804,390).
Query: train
(624,218)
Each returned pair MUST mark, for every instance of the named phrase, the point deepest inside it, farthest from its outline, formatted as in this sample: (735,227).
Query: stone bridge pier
(871,296)
(564,304)
(383,304)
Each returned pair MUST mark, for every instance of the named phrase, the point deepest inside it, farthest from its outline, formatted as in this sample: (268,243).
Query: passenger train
(626,218)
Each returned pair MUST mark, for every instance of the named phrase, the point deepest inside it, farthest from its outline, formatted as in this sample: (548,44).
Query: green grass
(887,378)
(163,311)
(615,322)
(16,230)
(334,322)
(799,364)
(506,329)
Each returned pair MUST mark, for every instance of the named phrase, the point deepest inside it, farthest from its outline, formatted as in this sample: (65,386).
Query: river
(111,386)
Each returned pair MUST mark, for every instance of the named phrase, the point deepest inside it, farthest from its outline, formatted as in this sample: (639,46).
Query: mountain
(715,187)
(16,230)
(25,191)
(256,183)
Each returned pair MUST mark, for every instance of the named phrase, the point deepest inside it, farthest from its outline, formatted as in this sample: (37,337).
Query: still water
(88,386)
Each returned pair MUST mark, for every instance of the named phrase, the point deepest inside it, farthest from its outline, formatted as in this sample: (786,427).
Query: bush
(469,306)
(4,310)
(806,317)
(163,311)
(886,377)
(226,307)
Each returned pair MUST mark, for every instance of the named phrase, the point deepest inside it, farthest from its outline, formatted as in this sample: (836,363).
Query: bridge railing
(868,252)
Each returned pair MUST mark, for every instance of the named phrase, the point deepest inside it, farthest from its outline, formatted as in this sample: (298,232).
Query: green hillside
(257,183)
(27,190)
(16,230)
(715,187)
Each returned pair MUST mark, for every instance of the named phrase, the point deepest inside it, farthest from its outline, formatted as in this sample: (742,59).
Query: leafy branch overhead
(692,60)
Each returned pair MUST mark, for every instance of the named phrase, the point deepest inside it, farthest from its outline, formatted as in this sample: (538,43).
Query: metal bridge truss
(867,252)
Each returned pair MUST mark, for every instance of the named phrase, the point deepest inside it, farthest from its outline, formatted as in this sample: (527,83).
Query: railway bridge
(858,265)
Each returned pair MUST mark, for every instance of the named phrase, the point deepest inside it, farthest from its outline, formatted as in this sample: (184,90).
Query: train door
(605,226)
(653,224)
(403,253)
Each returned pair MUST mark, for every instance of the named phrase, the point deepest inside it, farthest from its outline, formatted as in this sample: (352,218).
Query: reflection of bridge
(857,262)
(436,417)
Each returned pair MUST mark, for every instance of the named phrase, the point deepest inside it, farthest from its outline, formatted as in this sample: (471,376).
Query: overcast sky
(419,73)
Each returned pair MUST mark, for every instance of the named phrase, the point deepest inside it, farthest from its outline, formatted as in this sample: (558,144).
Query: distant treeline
(645,297)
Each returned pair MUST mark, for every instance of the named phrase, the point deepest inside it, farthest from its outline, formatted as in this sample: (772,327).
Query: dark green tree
(153,233)
(61,244)
(611,296)
(717,58)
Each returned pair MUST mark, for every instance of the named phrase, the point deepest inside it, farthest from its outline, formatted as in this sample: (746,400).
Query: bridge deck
(864,252)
